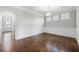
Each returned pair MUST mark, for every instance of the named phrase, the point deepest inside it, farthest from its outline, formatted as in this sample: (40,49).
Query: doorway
(8,30)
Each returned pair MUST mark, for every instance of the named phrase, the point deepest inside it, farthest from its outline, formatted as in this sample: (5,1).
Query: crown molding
(26,9)
(55,12)
(63,11)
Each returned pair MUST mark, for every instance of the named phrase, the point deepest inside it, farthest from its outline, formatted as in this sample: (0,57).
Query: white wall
(62,27)
(64,31)
(27,23)
(77,23)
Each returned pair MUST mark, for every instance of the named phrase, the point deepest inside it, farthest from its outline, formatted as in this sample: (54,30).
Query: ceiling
(53,9)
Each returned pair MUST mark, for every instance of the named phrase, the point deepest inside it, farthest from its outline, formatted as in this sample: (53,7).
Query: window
(65,16)
(55,18)
(48,18)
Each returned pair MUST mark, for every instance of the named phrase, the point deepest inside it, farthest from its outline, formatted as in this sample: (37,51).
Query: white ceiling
(53,9)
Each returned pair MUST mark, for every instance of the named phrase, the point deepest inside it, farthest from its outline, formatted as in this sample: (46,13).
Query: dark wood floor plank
(45,42)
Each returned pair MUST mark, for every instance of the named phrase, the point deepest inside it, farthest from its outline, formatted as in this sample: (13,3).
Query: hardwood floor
(44,42)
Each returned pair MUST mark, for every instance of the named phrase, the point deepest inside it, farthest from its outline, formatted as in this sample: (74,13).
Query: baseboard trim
(47,33)
(59,35)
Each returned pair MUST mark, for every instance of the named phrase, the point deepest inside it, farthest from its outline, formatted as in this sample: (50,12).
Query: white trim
(29,10)
(77,40)
(26,9)
(67,31)
(64,11)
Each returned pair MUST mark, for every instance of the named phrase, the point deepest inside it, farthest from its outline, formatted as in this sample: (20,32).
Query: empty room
(39,29)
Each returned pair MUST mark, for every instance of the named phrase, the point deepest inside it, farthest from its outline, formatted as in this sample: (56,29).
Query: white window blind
(65,16)
(48,18)
(55,18)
